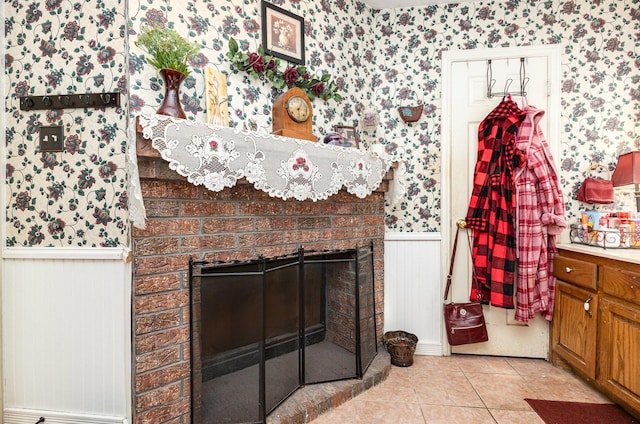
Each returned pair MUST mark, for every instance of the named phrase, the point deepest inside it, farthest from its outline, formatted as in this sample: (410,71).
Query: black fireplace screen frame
(236,380)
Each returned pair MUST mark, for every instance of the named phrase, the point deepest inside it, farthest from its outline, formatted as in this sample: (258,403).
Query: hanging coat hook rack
(491,82)
(70,101)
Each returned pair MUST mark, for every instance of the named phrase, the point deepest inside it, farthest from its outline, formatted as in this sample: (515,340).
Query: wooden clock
(292,115)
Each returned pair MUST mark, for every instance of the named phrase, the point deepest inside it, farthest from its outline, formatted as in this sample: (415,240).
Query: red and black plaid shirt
(492,207)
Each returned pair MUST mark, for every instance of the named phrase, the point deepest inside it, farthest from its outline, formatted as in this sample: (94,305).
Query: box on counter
(591,220)
(634,233)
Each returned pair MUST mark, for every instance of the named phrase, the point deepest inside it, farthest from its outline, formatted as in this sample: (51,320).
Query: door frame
(3,193)
(553,54)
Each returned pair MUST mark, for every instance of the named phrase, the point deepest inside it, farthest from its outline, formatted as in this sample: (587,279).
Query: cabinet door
(574,327)
(620,339)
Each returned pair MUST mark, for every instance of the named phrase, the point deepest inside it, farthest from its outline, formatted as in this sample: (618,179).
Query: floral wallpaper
(336,33)
(77,197)
(386,58)
(600,83)
(379,58)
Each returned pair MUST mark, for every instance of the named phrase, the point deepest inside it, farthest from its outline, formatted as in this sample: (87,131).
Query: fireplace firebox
(263,328)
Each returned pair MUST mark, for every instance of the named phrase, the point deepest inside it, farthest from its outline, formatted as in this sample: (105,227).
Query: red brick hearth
(185,221)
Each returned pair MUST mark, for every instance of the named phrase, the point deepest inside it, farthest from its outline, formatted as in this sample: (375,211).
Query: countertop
(627,255)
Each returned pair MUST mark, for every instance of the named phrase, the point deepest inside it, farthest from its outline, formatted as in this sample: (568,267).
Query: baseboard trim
(429,349)
(68,253)
(30,416)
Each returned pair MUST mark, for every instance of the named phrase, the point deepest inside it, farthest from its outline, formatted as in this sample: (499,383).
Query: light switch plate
(51,139)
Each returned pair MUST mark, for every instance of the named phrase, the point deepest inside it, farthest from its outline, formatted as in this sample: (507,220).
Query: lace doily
(137,211)
(217,157)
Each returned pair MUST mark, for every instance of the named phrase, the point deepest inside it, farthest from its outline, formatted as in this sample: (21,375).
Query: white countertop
(627,255)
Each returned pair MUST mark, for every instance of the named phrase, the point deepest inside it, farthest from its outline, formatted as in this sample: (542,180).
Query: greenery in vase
(261,65)
(167,48)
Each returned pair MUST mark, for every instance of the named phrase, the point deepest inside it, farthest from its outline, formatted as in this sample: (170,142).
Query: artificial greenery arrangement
(168,49)
(261,65)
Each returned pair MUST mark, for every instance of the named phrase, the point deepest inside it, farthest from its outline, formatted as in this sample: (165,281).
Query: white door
(468,104)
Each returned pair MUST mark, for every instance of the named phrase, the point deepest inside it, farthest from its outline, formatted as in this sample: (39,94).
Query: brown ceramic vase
(171,104)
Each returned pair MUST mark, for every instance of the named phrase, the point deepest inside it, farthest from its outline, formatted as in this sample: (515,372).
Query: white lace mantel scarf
(217,157)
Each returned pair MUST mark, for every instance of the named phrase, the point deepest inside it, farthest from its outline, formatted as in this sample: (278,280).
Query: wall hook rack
(69,101)
(491,82)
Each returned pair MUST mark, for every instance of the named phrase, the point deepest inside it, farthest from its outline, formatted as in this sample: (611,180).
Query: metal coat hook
(490,81)
(507,84)
(524,79)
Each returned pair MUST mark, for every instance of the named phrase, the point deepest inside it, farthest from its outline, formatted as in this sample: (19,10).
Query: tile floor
(462,389)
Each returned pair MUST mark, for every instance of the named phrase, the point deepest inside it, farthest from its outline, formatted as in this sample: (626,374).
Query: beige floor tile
(389,394)
(402,375)
(438,414)
(565,387)
(368,412)
(501,391)
(515,417)
(397,388)
(447,388)
(426,364)
(484,364)
(535,367)
(463,389)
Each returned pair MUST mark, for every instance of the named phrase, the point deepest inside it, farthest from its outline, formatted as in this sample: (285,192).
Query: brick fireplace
(239,223)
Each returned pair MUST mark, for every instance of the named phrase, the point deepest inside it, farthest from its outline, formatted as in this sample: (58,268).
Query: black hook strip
(69,101)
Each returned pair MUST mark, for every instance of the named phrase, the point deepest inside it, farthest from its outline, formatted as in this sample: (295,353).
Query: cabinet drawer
(581,273)
(621,283)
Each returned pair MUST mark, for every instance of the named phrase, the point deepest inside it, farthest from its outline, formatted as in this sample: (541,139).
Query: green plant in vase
(169,53)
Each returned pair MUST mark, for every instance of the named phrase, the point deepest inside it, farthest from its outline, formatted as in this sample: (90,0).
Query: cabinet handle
(568,270)
(587,307)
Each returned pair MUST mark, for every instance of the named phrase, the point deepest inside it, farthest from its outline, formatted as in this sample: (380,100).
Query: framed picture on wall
(282,33)
(349,134)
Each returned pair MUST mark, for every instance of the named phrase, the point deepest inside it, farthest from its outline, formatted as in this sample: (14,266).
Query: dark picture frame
(282,33)
(350,135)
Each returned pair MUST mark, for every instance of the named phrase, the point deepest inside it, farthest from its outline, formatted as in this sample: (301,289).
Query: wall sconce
(627,173)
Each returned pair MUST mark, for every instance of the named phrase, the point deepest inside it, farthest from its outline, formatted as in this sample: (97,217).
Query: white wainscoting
(66,317)
(412,288)
(20,416)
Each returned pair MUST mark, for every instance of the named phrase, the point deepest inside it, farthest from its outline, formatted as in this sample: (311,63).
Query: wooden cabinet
(574,336)
(596,324)
(619,327)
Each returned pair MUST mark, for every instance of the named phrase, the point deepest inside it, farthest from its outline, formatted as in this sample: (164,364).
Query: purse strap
(473,268)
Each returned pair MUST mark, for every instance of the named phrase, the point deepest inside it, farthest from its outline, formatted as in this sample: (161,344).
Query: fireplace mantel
(182,221)
(218,157)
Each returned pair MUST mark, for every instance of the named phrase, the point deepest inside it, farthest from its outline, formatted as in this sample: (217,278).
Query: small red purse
(595,190)
(464,322)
